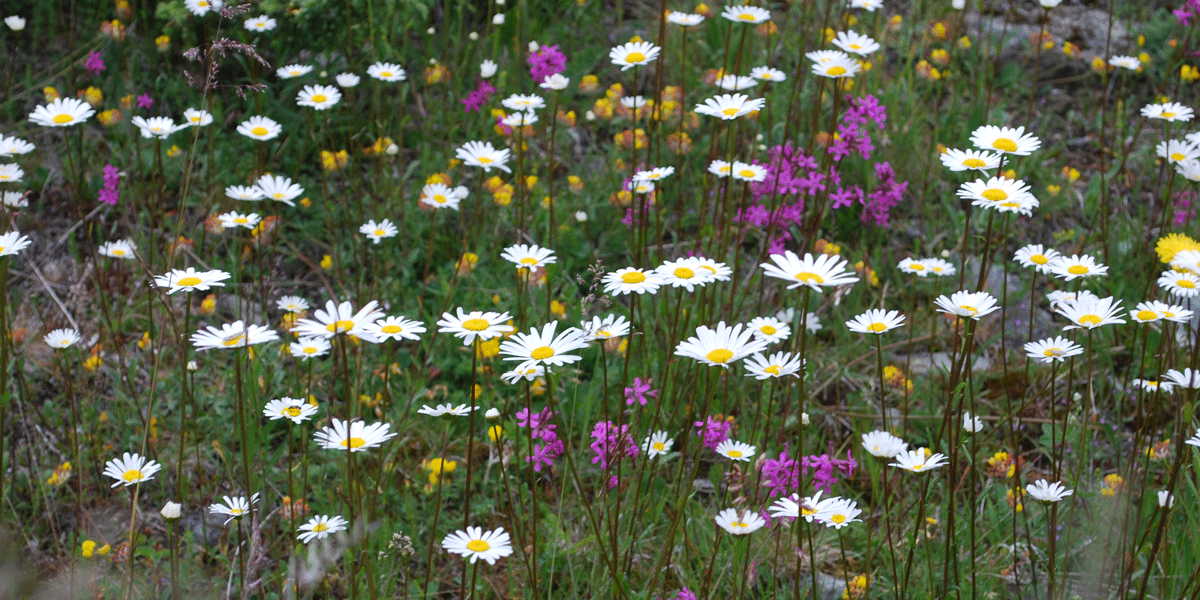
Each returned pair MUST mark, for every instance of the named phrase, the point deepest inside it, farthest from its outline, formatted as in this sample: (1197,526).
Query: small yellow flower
(1053,189)
(531,181)
(109,117)
(494,432)
(326,262)
(558,308)
(1189,73)
(89,547)
(50,93)
(102,550)
(93,96)
(208,304)
(1141,40)
(306,203)
(964,42)
(1099,65)
(575,182)
(174,151)
(441,178)
(145,341)
(467,263)
(589,84)
(1144,57)
(163,42)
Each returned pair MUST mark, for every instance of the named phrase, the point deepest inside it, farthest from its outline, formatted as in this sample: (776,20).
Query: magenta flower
(94,63)
(639,392)
(110,193)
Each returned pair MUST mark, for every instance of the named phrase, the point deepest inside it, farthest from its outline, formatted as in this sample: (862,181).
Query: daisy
(826,270)
(826,56)
(883,444)
(280,188)
(740,522)
(876,321)
(794,506)
(1056,298)
(1189,170)
(230,220)
(654,174)
(721,346)
(189,280)
(386,72)
(632,280)
(130,469)
(1182,285)
(461,410)
(939,267)
(972,305)
(917,461)
(603,329)
(728,107)
(735,83)
(484,156)
(1176,151)
(11,173)
(780,364)
(769,329)
(1052,349)
(260,128)
(528,103)
(1187,259)
(913,267)
(720,168)
(319,97)
(340,318)
(1153,385)
(14,199)
(642,187)
(1077,266)
(1037,256)
(519,119)
(1005,140)
(683,273)
(735,451)
(1048,492)
(855,43)
(355,436)
(260,24)
(203,7)
(292,304)
(310,347)
(294,409)
(972,160)
(555,82)
(838,514)
(232,335)
(1170,112)
(993,191)
(347,80)
(12,243)
(487,69)
(119,249)
(235,507)
(196,118)
(1186,379)
(529,256)
(438,195)
(1125,62)
(523,372)
(474,543)
(867,5)
(718,270)
(13,146)
(62,338)
(684,19)
(62,112)
(1166,499)
(633,54)
(475,324)
(837,68)
(1194,440)
(290,71)
(768,74)
(751,15)
(377,231)
(1164,311)
(748,172)
(544,348)
(1090,313)
(972,424)
(395,328)
(156,127)
(244,192)
(657,444)
(319,528)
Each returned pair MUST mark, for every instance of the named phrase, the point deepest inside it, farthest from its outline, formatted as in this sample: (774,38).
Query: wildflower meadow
(630,299)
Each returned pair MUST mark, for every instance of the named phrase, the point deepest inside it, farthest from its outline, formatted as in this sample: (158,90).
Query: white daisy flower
(826,270)
(118,249)
(320,527)
(376,232)
(632,280)
(721,346)
(310,347)
(739,522)
(260,128)
(634,54)
(657,444)
(293,409)
(780,364)
(280,188)
(484,156)
(876,321)
(735,451)
(1055,349)
(1005,140)
(62,112)
(232,335)
(130,469)
(355,436)
(728,107)
(62,338)
(291,71)
(340,318)
(188,280)
(474,544)
(475,324)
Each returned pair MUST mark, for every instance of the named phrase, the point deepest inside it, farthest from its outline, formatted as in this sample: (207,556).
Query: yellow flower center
(633,277)
(385,73)
(259,131)
(291,411)
(529,261)
(735,454)
(747,173)
(132,475)
(746,17)
(118,252)
(195,119)
(1005,145)
(1184,283)
(1167,114)
(973,163)
(1147,315)
(603,334)
(391,329)
(380,233)
(835,71)
(768,330)
(542,353)
(918,467)
(319,98)
(202,4)
(855,47)
(839,519)
(970,309)
(236,511)
(485,160)
(440,199)
(241,220)
(188,281)
(877,327)
(684,273)
(319,527)
(1039,259)
(1177,157)
(478,546)
(773,369)
(1089,320)
(729,112)
(339,326)
(659,446)
(809,278)
(1168,314)
(994,194)
(63,118)
(917,267)
(635,57)
(719,356)
(1054,352)
(278,195)
(475,324)
(1077,270)
(233,340)
(354,442)
(310,350)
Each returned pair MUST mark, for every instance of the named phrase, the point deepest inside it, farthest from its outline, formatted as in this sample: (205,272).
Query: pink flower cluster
(542,429)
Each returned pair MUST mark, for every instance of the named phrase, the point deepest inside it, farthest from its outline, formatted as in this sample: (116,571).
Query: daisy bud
(492,414)
(1166,499)
(591,116)
(171,511)
(499,2)
(473,36)
(15,23)
(393,150)
(804,418)
(192,366)
(430,31)
(581,216)
(498,19)
(533,46)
